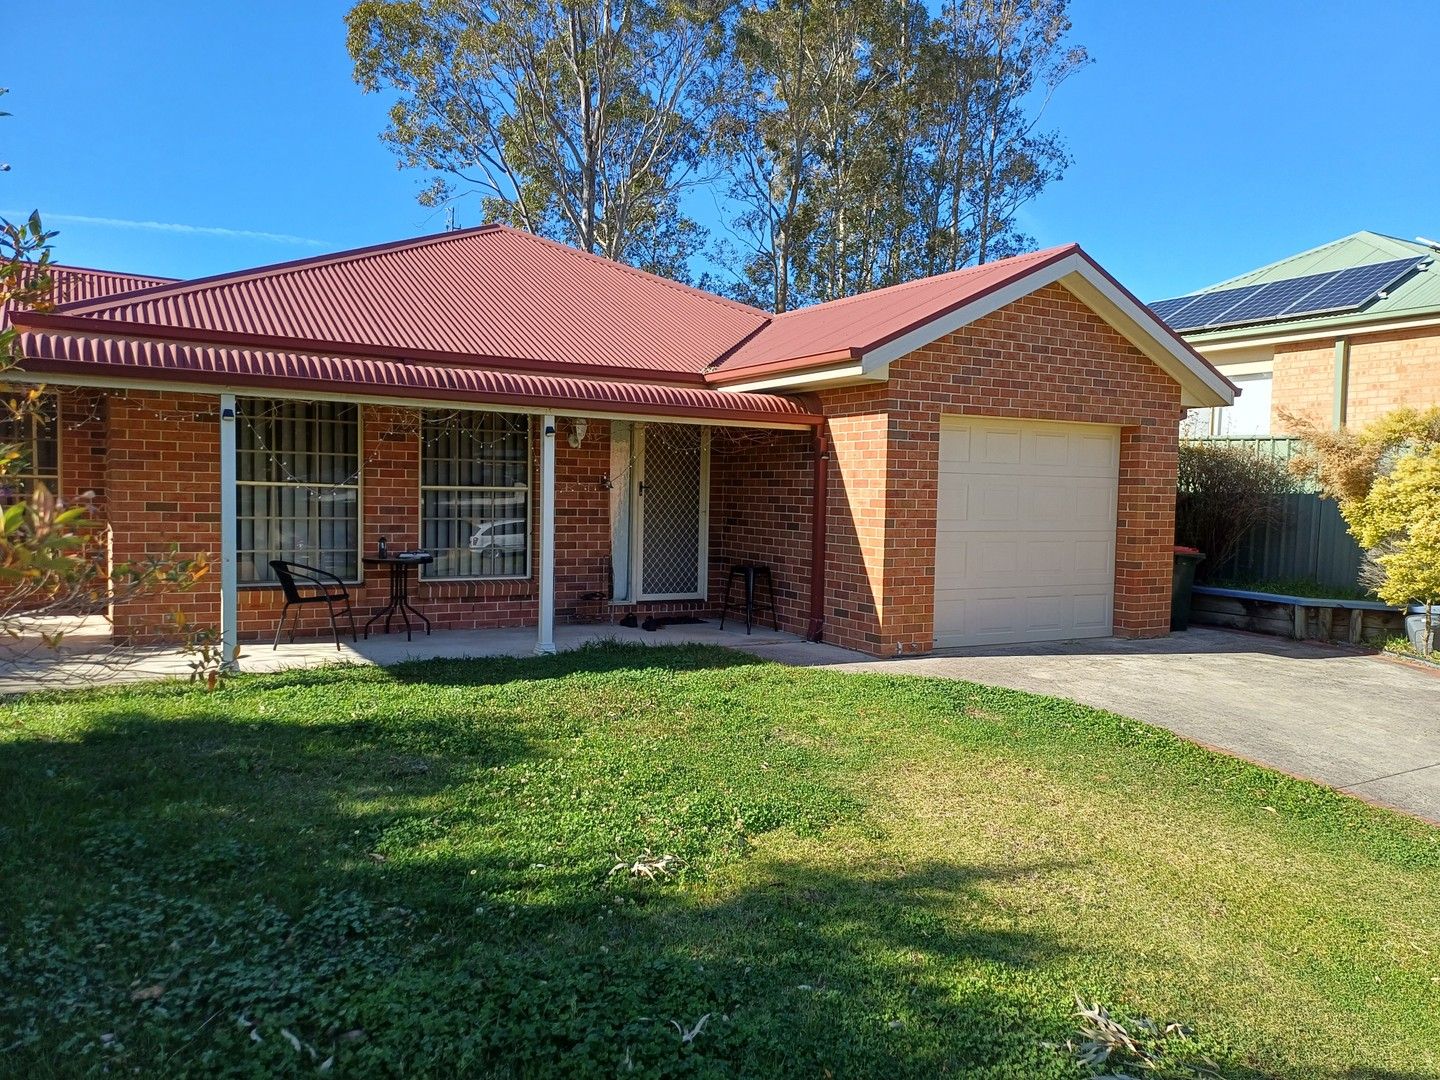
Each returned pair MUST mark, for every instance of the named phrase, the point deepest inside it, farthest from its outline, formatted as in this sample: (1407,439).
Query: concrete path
(1365,724)
(86,657)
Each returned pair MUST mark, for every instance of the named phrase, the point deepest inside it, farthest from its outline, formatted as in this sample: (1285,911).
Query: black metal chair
(328,589)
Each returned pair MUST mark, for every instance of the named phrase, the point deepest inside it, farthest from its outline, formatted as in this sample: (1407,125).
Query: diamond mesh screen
(671,501)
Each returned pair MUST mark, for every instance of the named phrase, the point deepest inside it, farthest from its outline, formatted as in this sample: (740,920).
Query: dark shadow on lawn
(158,874)
(599,658)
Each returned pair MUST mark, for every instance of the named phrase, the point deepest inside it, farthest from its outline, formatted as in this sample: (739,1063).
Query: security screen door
(671,499)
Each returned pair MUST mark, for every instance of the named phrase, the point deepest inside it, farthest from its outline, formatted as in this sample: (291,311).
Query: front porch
(87,655)
(542,526)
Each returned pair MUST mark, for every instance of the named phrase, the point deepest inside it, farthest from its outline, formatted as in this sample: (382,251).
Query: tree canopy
(847,144)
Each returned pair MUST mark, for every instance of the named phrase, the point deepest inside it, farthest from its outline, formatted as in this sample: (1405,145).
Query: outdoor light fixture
(578,428)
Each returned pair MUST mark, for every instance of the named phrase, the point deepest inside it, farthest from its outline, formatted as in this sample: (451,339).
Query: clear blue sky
(192,138)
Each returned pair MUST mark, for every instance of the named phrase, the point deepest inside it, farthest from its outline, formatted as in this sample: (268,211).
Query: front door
(671,497)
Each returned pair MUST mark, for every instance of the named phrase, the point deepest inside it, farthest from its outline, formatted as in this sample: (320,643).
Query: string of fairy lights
(429,430)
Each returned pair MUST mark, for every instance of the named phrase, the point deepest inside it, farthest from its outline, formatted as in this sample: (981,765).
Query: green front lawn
(409,872)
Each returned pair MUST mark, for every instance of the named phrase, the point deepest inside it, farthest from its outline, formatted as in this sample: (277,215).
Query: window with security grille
(35,435)
(673,508)
(475,494)
(298,486)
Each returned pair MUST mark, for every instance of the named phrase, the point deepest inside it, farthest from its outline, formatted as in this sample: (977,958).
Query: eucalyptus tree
(875,142)
(581,121)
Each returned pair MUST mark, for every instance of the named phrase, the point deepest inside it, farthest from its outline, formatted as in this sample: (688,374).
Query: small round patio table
(399,565)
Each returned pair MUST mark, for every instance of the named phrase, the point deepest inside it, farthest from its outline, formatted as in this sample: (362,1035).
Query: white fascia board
(1200,385)
(818,379)
(1337,330)
(1246,367)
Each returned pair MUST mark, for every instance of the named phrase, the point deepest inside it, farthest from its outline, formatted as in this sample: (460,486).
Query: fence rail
(1309,539)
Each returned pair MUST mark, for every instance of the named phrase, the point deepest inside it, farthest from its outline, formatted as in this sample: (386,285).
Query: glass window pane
(475,494)
(299,486)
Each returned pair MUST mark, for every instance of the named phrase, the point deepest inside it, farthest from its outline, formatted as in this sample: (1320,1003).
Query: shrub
(1386,478)
(1225,491)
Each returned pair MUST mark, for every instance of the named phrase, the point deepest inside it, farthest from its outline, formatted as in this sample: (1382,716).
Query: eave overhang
(101,360)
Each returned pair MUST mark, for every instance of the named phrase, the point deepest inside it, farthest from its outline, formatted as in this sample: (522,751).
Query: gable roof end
(873,329)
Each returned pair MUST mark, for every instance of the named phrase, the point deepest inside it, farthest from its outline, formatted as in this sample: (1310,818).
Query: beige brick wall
(1386,372)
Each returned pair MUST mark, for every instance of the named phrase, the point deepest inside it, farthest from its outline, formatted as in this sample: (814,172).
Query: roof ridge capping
(644,275)
(371,251)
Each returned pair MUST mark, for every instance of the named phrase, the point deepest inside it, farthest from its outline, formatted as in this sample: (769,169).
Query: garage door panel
(1001,446)
(1025,535)
(998,502)
(989,558)
(1050,450)
(1098,453)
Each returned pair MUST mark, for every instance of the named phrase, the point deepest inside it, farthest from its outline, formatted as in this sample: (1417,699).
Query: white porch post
(229,599)
(545,632)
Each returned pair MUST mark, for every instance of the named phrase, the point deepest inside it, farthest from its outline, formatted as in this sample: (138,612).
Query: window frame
(427,573)
(26,480)
(358,578)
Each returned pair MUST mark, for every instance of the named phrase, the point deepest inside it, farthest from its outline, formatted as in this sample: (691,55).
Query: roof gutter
(723,376)
(312,379)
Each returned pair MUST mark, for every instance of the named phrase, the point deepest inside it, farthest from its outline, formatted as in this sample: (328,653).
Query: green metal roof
(1417,295)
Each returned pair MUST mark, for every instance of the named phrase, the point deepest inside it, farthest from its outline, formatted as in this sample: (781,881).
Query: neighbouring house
(1340,334)
(987,456)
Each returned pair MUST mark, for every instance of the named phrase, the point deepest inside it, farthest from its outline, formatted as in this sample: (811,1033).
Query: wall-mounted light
(578,429)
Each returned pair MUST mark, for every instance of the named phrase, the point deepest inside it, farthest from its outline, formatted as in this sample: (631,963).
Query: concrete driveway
(1364,724)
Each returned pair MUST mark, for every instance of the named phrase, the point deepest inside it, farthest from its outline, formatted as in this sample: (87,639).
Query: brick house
(985,456)
(1340,334)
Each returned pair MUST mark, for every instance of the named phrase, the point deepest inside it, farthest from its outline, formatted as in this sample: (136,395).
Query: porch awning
(98,359)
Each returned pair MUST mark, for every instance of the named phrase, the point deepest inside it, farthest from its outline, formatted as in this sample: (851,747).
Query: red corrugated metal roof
(77,284)
(849,327)
(167,361)
(489,295)
(502,301)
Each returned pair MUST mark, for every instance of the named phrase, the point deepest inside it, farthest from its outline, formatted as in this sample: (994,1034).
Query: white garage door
(1025,531)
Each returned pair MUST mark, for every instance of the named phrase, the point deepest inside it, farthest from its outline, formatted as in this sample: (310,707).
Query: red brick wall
(760,512)
(83,453)
(162,482)
(858,517)
(1044,357)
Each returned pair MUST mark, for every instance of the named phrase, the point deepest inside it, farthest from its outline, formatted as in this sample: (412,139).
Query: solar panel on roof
(1165,308)
(1351,288)
(1271,299)
(1210,306)
(1313,294)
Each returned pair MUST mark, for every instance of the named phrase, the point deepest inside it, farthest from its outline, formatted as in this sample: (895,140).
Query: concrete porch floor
(87,657)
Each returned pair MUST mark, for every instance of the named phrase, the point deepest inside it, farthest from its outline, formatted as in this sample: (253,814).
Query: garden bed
(1300,617)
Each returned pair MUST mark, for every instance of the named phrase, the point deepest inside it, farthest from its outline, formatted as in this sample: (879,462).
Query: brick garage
(1047,337)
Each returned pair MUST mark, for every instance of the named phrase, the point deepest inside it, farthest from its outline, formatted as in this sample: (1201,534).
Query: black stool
(752,574)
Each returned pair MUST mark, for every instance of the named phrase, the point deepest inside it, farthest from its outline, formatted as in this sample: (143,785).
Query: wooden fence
(1309,539)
